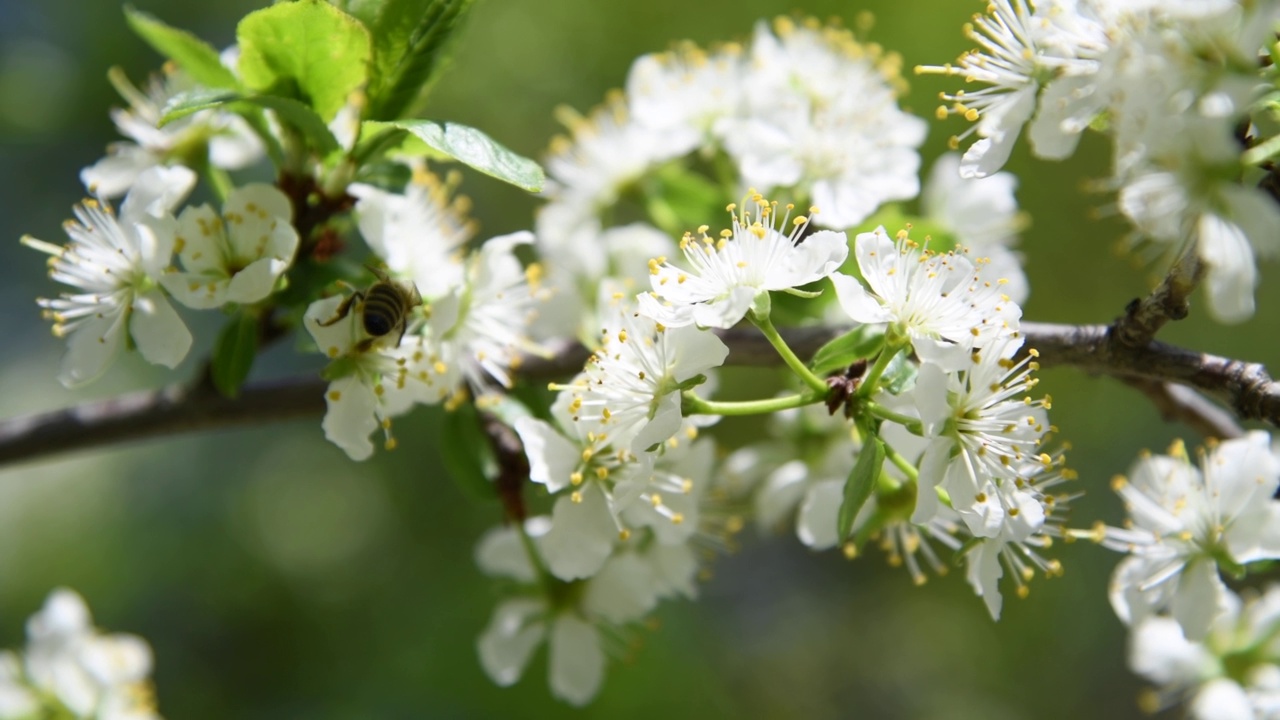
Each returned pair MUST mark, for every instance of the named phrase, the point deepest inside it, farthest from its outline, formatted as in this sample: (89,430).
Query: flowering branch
(1246,388)
(1144,317)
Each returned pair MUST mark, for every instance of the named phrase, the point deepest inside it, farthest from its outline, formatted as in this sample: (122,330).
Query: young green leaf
(466,452)
(862,480)
(289,111)
(409,42)
(467,145)
(306,50)
(197,58)
(233,354)
(900,374)
(863,341)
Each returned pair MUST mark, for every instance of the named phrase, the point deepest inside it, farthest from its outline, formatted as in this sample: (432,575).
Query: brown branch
(1244,388)
(1171,300)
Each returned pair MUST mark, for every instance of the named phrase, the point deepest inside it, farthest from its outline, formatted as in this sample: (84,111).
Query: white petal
(552,458)
(1221,699)
(697,352)
(1232,274)
(198,292)
(159,333)
(501,552)
(256,281)
(819,255)
(581,536)
(664,423)
(337,338)
(507,643)
(782,491)
(1159,652)
(90,349)
(350,418)
(1199,599)
(857,303)
(984,573)
(933,467)
(817,524)
(624,590)
(576,660)
(724,312)
(156,191)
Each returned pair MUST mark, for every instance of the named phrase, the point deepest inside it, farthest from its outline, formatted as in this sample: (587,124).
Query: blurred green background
(275,579)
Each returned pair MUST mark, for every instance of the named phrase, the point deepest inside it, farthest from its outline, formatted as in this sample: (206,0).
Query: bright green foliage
(861,342)
(679,200)
(306,50)
(409,42)
(862,480)
(233,354)
(196,57)
(467,145)
(290,111)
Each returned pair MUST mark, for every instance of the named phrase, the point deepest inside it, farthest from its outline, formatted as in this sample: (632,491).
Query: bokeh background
(275,579)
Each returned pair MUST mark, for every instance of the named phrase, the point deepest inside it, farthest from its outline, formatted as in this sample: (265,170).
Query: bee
(384,308)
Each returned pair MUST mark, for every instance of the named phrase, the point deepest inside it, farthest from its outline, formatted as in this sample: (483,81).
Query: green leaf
(466,452)
(233,354)
(467,145)
(197,58)
(289,111)
(863,341)
(307,50)
(409,42)
(862,480)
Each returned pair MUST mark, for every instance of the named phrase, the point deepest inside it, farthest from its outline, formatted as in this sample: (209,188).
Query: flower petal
(159,333)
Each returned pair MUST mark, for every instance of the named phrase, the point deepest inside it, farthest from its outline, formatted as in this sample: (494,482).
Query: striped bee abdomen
(384,309)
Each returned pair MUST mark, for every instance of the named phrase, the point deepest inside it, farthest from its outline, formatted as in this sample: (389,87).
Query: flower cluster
(802,110)
(71,669)
(1179,87)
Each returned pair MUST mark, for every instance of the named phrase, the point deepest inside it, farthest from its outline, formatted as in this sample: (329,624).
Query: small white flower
(420,234)
(683,93)
(70,666)
(941,301)
(625,590)
(115,263)
(238,256)
(1186,522)
(1233,673)
(225,137)
(981,428)
(727,273)
(631,385)
(1022,51)
(822,120)
(369,384)
(982,214)
(477,331)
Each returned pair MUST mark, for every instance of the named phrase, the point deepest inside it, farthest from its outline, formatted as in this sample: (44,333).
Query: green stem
(884,413)
(219,182)
(694,405)
(901,463)
(535,559)
(871,381)
(789,357)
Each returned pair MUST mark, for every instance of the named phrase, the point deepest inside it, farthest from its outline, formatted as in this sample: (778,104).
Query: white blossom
(1233,673)
(822,119)
(684,92)
(981,428)
(369,383)
(624,591)
(477,331)
(236,257)
(1186,523)
(727,273)
(114,265)
(941,301)
(632,384)
(981,214)
(420,234)
(68,666)
(223,137)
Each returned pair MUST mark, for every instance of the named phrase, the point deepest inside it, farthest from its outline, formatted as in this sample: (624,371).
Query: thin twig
(1171,300)
(1244,388)
(1179,403)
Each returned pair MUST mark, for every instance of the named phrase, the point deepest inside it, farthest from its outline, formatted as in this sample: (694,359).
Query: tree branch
(1245,388)
(1171,300)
